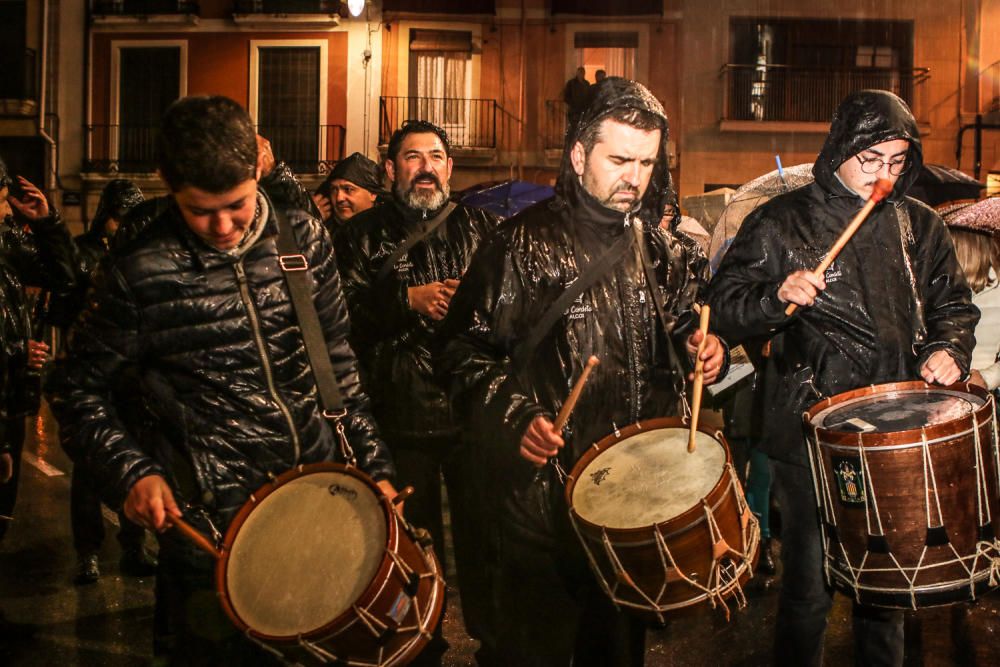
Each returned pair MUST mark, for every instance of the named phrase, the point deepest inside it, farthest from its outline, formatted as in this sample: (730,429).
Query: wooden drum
(907,477)
(663,529)
(319,568)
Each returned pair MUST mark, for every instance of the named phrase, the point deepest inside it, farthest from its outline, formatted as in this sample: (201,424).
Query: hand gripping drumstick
(879,192)
(699,374)
(574,395)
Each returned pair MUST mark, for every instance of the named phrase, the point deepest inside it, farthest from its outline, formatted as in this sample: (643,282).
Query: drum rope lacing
(822,486)
(721,585)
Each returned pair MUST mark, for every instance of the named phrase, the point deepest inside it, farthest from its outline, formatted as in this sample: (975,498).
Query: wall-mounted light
(355,7)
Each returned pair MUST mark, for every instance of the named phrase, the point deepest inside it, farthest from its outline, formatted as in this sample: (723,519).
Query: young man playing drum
(511,365)
(893,306)
(198,308)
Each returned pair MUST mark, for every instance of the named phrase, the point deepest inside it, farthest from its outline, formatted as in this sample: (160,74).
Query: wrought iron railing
(785,93)
(286,6)
(141,7)
(554,125)
(469,123)
(132,149)
(307,149)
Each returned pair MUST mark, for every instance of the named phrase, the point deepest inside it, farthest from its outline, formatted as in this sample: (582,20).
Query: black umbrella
(938,184)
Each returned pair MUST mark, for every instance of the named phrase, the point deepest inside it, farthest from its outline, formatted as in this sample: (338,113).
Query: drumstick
(574,395)
(699,373)
(188,531)
(879,192)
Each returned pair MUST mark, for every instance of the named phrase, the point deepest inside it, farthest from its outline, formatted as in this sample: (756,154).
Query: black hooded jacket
(511,283)
(213,337)
(393,341)
(895,294)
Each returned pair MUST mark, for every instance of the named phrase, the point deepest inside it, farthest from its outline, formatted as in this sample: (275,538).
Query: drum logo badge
(599,476)
(850,480)
(338,490)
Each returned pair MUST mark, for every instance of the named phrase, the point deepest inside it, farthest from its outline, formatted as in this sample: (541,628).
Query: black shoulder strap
(295,267)
(589,274)
(661,310)
(413,239)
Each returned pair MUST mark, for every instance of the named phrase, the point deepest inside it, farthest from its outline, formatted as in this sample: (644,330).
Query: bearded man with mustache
(401,263)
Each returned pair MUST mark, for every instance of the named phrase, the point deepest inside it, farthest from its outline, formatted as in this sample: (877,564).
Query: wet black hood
(118,198)
(610,95)
(864,119)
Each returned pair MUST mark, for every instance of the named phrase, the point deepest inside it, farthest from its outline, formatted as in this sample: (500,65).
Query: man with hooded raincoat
(894,306)
(610,194)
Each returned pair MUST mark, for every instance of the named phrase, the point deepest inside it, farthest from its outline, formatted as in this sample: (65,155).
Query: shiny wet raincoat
(894,295)
(511,283)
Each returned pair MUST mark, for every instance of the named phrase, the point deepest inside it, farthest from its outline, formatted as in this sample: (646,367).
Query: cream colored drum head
(306,553)
(648,478)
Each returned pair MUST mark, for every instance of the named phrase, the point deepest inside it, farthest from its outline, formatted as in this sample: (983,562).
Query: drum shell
(346,636)
(687,536)
(896,472)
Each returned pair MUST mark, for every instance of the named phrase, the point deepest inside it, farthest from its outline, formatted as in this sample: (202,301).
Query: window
(17,62)
(288,99)
(617,8)
(613,52)
(441,6)
(288,103)
(149,79)
(440,74)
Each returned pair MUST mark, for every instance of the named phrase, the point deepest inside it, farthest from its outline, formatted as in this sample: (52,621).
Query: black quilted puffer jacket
(223,370)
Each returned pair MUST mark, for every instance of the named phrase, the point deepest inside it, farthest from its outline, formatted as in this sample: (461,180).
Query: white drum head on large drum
(305,554)
(648,478)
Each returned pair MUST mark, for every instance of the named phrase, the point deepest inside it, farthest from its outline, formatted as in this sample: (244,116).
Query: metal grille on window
(288,110)
(150,81)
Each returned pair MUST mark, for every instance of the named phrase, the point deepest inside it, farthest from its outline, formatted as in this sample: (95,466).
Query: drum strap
(413,239)
(296,269)
(676,369)
(589,274)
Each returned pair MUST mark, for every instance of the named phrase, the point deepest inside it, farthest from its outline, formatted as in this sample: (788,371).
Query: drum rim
(889,438)
(371,590)
(686,519)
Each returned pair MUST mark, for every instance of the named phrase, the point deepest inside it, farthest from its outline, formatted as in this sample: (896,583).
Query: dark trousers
(421,463)
(13,435)
(87,521)
(551,610)
(805,598)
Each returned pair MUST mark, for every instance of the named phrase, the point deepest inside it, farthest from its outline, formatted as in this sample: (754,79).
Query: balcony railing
(132,149)
(307,150)
(142,7)
(796,94)
(286,6)
(469,123)
(554,128)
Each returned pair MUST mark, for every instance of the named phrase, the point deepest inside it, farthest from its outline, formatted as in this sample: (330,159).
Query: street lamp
(355,7)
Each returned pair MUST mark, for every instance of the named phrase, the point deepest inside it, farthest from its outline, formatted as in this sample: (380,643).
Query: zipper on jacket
(241,279)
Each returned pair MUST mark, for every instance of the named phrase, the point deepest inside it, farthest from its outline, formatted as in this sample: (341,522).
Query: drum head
(305,554)
(648,478)
(898,410)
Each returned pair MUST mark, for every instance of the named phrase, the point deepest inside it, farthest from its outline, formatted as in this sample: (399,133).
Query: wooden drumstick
(879,192)
(574,395)
(188,531)
(699,373)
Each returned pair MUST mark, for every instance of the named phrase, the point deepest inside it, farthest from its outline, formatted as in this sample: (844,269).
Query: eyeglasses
(873,165)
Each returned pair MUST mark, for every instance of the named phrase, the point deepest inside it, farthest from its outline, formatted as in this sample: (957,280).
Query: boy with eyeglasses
(894,306)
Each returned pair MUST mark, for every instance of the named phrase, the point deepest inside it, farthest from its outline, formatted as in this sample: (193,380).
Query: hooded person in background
(893,307)
(352,187)
(610,194)
(59,310)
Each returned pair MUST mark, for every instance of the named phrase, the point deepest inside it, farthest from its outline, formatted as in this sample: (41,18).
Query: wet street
(109,623)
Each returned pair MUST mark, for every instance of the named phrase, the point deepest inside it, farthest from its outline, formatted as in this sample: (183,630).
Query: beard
(607,200)
(423,200)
